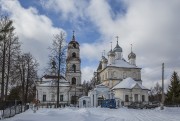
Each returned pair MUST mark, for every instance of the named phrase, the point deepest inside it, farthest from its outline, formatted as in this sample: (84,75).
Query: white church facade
(70,89)
(121,77)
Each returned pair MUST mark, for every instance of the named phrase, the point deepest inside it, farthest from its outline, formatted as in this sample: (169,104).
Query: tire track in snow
(152,115)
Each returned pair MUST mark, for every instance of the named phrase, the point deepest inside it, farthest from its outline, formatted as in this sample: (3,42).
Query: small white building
(131,91)
(96,96)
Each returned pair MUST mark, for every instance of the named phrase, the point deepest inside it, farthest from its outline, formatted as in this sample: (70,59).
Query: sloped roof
(50,80)
(122,63)
(99,66)
(128,83)
(101,88)
(47,84)
(53,77)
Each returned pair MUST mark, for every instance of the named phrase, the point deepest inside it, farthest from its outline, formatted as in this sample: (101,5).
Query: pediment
(136,86)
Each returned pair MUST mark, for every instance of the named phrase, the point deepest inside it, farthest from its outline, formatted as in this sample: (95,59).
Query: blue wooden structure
(108,103)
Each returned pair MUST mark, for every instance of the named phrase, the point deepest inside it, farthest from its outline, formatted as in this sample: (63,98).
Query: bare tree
(13,51)
(155,93)
(58,52)
(27,74)
(6,30)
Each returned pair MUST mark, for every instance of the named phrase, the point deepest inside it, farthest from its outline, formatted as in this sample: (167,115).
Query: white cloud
(35,31)
(151,26)
(69,9)
(87,73)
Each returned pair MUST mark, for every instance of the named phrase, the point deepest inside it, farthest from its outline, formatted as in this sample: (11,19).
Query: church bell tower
(73,62)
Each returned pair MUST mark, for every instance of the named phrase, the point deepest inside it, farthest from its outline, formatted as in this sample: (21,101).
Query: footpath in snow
(98,114)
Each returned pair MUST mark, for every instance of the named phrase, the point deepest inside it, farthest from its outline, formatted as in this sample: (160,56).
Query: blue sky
(151,26)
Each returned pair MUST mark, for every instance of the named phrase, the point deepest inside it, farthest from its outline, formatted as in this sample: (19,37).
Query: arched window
(124,75)
(74,55)
(114,75)
(74,67)
(84,102)
(52,97)
(73,81)
(134,75)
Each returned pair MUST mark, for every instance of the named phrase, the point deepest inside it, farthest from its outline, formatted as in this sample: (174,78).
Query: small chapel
(70,89)
(119,79)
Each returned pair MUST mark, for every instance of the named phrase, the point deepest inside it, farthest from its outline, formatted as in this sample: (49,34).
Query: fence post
(3,113)
(10,112)
(15,109)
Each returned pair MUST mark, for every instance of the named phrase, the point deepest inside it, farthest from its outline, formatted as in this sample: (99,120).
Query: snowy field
(99,114)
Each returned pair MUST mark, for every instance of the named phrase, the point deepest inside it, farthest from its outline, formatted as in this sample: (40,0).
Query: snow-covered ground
(99,114)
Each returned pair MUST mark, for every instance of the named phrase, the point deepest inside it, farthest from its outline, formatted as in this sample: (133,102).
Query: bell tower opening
(74,68)
(74,55)
(73,81)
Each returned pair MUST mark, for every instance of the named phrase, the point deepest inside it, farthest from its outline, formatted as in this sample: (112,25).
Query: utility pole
(162,99)
(75,95)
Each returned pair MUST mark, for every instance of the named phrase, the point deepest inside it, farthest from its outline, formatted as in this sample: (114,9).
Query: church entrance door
(100,99)
(74,100)
(136,97)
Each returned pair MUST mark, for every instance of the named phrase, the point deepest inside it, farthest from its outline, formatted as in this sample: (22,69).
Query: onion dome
(73,43)
(132,55)
(111,53)
(117,48)
(104,60)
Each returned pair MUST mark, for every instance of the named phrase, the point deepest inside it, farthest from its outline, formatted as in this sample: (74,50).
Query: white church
(69,86)
(119,80)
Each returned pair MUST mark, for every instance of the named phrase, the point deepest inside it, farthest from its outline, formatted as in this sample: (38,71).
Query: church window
(134,75)
(52,97)
(61,97)
(136,97)
(44,98)
(74,55)
(143,98)
(126,98)
(124,75)
(73,81)
(74,67)
(114,75)
(84,102)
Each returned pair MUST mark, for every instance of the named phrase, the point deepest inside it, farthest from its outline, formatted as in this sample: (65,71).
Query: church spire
(111,46)
(131,47)
(117,39)
(73,37)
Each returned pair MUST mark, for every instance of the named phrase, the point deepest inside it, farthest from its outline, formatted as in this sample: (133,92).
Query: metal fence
(7,111)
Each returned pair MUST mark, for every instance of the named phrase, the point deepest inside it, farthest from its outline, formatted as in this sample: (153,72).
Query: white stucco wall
(120,93)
